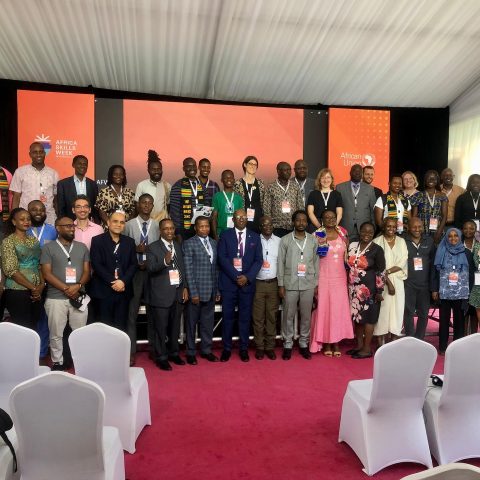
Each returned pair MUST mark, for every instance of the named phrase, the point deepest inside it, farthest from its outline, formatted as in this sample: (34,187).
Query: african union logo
(45,141)
(368,160)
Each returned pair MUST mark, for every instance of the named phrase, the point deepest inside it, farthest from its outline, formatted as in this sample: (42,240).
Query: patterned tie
(143,239)
(240,243)
(175,263)
(209,250)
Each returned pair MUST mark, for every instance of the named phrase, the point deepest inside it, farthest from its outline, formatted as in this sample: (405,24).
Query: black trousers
(416,299)
(166,323)
(113,310)
(446,307)
(22,310)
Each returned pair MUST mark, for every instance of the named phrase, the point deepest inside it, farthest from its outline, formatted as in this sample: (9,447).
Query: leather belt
(271,280)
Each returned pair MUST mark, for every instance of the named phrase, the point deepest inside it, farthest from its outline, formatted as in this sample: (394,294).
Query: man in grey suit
(165,293)
(301,178)
(200,258)
(358,202)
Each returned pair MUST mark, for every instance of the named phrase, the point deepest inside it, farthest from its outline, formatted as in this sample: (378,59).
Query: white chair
(6,457)
(59,423)
(451,471)
(102,354)
(451,413)
(19,354)
(382,418)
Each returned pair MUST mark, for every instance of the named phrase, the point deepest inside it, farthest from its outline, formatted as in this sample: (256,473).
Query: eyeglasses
(253,164)
(66,225)
(240,217)
(82,207)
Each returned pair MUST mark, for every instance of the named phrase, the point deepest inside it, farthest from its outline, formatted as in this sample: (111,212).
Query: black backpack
(5,425)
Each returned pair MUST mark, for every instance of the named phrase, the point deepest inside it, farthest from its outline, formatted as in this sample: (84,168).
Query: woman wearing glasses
(252,191)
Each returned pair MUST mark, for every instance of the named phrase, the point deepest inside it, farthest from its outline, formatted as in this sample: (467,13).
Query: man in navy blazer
(240,259)
(69,188)
(200,258)
(114,263)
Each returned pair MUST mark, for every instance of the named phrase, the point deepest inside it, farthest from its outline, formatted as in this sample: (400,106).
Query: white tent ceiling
(335,52)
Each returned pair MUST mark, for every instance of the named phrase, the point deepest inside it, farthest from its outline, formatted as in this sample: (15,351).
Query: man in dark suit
(358,202)
(240,259)
(78,184)
(200,257)
(114,263)
(166,292)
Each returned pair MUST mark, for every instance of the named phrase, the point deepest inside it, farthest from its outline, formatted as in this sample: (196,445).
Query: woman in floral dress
(366,281)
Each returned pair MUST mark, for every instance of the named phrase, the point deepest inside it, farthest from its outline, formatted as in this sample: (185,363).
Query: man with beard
(155,186)
(66,269)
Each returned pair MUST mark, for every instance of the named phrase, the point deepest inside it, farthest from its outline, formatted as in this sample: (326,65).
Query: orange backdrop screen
(222,133)
(359,136)
(62,122)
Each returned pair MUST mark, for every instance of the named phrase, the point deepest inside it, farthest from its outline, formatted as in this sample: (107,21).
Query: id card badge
(230,222)
(286,206)
(433,224)
(250,214)
(43,198)
(266,266)
(301,270)
(417,263)
(477,278)
(399,226)
(70,275)
(174,277)
(453,279)
(237,264)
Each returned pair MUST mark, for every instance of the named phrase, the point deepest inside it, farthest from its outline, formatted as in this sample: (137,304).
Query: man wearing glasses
(66,269)
(85,229)
(239,259)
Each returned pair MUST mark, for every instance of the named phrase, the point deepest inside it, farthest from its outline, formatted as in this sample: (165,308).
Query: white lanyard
(207,184)
(207,248)
(358,254)
(115,250)
(249,192)
(398,203)
(142,236)
(355,195)
(39,235)
(67,254)
(449,192)
(119,195)
(417,246)
(301,248)
(229,202)
(475,203)
(194,188)
(430,201)
(302,186)
(266,240)
(325,200)
(285,190)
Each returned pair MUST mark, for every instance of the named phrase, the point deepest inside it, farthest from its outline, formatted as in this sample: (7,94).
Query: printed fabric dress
(331,320)
(475,293)
(365,279)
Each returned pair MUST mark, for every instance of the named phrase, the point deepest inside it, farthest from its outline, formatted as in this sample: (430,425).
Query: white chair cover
(19,355)
(59,423)
(102,354)
(6,457)
(382,418)
(451,413)
(451,471)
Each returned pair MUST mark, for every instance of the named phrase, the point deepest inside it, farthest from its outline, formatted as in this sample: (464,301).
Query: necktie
(143,239)
(209,250)
(175,263)
(240,244)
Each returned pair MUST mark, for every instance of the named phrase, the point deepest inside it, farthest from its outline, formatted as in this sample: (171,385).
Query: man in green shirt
(224,204)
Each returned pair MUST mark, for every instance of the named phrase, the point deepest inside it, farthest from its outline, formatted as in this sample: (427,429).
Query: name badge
(399,226)
(70,275)
(477,278)
(266,266)
(301,270)
(230,222)
(174,277)
(286,206)
(43,198)
(237,264)
(453,279)
(433,225)
(417,263)
(250,214)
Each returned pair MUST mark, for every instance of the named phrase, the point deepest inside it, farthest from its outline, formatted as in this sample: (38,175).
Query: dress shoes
(304,352)
(259,354)
(359,356)
(58,367)
(191,359)
(176,360)
(287,354)
(244,356)
(352,351)
(163,365)
(209,356)
(225,357)
(270,354)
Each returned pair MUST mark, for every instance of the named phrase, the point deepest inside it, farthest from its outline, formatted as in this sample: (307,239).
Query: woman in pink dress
(331,320)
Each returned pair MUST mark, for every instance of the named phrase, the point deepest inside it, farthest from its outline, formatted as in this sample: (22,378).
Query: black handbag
(5,425)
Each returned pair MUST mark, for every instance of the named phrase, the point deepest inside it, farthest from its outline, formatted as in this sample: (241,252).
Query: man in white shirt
(266,300)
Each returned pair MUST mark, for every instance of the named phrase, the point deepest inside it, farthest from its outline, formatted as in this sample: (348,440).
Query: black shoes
(358,356)
(176,360)
(209,356)
(191,360)
(304,352)
(225,357)
(287,354)
(163,365)
(270,354)
(58,367)
(244,356)
(259,354)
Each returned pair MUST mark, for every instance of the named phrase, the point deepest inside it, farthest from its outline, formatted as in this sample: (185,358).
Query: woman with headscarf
(453,281)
